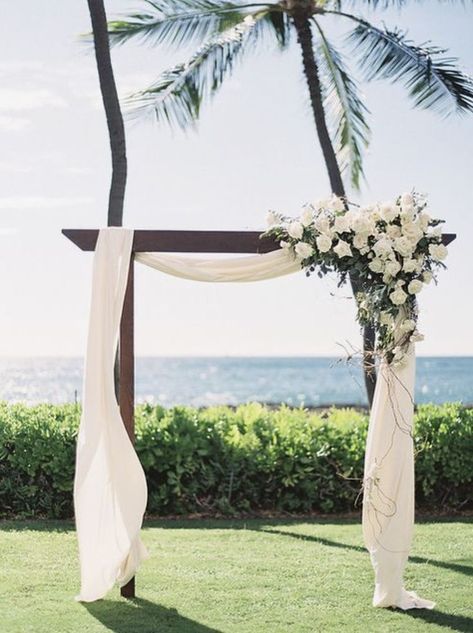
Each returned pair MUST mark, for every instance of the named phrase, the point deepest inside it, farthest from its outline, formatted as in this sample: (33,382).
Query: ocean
(209,381)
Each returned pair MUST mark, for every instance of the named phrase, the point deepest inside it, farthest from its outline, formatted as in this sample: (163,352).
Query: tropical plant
(116,129)
(225,30)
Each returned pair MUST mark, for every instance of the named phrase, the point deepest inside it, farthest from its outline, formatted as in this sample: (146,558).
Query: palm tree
(113,112)
(225,30)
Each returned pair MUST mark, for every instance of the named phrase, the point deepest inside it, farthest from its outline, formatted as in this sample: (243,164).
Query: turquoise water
(205,381)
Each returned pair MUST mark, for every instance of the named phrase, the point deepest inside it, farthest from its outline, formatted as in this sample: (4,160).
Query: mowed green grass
(255,576)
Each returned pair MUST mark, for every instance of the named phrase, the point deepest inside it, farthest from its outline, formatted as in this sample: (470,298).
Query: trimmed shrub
(222,461)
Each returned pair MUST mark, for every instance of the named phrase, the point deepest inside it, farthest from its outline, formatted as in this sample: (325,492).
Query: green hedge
(220,460)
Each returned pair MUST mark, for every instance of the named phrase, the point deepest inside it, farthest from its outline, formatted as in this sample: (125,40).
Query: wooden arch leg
(126,392)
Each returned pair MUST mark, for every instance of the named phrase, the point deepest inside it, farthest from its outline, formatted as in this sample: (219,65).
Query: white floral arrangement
(390,251)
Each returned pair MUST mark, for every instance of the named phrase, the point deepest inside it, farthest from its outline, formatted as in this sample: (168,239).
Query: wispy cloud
(13,100)
(13,123)
(21,203)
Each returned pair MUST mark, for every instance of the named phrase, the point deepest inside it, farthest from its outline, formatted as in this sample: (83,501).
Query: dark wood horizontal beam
(150,241)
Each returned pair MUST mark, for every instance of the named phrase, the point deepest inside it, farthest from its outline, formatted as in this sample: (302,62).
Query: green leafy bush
(220,460)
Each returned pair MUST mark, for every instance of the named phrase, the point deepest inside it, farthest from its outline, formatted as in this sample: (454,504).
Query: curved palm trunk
(116,128)
(301,21)
(113,112)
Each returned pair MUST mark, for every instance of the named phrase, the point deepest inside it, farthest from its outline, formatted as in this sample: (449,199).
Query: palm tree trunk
(116,128)
(113,112)
(301,19)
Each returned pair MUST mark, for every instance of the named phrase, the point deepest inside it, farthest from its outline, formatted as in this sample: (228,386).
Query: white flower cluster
(393,249)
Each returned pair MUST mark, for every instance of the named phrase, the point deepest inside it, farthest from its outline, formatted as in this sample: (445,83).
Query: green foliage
(37,453)
(344,108)
(433,80)
(220,460)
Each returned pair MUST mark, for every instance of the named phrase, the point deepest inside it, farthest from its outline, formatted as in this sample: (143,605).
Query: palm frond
(276,23)
(178,22)
(432,79)
(346,112)
(177,95)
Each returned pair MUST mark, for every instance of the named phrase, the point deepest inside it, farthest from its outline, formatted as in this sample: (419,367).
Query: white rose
(413,231)
(374,214)
(360,241)
(307,217)
(322,224)
(407,215)
(427,277)
(424,219)
(341,224)
(324,243)
(363,224)
(420,264)
(399,356)
(336,203)
(393,230)
(303,250)
(416,337)
(386,319)
(388,212)
(435,231)
(284,244)
(272,219)
(415,286)
(342,249)
(398,296)
(393,267)
(438,251)
(403,246)
(350,216)
(407,200)
(321,203)
(295,230)
(407,325)
(409,265)
(376,265)
(383,247)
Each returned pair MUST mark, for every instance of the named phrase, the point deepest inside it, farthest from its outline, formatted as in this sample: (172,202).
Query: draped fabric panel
(388,495)
(231,269)
(110,487)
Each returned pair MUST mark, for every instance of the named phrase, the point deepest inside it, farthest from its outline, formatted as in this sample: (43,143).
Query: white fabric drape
(232,269)
(388,500)
(110,487)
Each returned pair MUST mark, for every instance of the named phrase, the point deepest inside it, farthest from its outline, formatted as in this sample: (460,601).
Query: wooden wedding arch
(155,241)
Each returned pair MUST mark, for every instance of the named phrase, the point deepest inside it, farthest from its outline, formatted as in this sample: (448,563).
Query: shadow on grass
(448,620)
(143,616)
(457,567)
(256,525)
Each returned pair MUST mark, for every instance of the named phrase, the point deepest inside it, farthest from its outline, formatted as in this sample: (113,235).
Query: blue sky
(255,149)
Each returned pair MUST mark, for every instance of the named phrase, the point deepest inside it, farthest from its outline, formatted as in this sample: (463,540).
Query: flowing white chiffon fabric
(388,495)
(231,269)
(110,487)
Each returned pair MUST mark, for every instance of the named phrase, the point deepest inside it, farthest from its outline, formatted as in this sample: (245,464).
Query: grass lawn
(255,576)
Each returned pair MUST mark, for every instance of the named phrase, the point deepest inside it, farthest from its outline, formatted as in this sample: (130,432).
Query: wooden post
(127,379)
